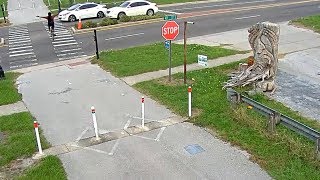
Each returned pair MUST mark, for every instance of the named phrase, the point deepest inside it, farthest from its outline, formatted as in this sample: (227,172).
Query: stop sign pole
(169,31)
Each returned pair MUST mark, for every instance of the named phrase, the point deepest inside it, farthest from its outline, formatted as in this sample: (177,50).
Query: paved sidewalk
(25,11)
(12,108)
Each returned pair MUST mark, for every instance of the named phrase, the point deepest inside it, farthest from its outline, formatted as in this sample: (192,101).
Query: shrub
(125,18)
(89,24)
(107,22)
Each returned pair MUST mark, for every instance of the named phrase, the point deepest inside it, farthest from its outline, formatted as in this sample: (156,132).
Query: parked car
(83,11)
(133,8)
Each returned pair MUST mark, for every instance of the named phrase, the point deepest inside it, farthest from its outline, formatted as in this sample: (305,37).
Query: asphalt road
(213,17)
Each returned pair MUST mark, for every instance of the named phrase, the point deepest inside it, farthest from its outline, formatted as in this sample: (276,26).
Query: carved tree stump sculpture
(263,39)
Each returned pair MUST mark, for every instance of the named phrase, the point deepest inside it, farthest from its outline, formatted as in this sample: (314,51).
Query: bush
(125,18)
(89,24)
(107,22)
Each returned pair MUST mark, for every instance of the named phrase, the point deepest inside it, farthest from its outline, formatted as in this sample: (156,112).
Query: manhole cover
(194,149)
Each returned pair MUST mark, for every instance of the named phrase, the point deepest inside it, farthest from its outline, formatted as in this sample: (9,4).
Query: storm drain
(194,149)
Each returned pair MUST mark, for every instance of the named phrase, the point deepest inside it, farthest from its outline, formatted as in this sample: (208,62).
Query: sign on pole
(203,60)
(170,30)
(170,17)
(167,44)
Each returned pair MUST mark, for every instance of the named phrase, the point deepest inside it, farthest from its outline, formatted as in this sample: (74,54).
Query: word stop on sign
(170,30)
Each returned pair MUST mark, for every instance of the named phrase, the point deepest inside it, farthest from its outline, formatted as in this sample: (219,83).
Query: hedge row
(108,21)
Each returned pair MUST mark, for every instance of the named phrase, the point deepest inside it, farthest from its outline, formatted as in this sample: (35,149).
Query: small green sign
(170,17)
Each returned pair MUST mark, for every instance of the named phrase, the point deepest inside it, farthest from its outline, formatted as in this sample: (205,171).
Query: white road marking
(22,47)
(22,54)
(18,39)
(96,150)
(160,133)
(63,38)
(68,54)
(247,17)
(19,66)
(142,137)
(82,133)
(12,36)
(65,35)
(56,42)
(219,5)
(26,50)
(20,42)
(58,45)
(68,50)
(19,30)
(119,37)
(127,124)
(18,34)
(19,45)
(169,12)
(18,62)
(114,148)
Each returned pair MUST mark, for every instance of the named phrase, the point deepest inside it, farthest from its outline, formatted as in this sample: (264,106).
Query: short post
(36,125)
(318,148)
(273,120)
(189,100)
(142,111)
(95,39)
(3,14)
(1,73)
(59,6)
(95,125)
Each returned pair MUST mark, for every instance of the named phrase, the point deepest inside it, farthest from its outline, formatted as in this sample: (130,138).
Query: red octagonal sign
(170,30)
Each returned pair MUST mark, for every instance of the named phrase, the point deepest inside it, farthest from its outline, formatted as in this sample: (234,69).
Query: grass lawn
(284,155)
(8,92)
(137,60)
(20,139)
(48,168)
(310,22)
(5,3)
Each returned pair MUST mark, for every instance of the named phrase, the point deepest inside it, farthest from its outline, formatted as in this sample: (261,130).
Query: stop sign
(170,30)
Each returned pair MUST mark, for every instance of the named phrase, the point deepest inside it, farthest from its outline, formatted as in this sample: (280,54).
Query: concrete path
(25,11)
(61,97)
(12,108)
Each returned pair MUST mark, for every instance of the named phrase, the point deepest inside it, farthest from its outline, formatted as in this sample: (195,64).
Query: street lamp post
(185,51)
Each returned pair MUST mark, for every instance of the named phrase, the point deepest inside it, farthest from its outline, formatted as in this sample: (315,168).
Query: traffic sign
(170,30)
(170,17)
(167,44)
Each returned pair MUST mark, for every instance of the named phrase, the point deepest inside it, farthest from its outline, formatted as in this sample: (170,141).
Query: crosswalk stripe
(56,42)
(68,54)
(58,38)
(22,47)
(24,60)
(69,50)
(18,45)
(20,42)
(23,65)
(22,54)
(58,45)
(19,39)
(26,50)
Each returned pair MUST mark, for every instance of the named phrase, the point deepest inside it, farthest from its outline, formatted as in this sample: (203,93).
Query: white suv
(83,11)
(133,8)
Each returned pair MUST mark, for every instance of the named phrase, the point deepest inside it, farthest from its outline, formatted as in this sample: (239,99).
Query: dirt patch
(174,82)
(16,167)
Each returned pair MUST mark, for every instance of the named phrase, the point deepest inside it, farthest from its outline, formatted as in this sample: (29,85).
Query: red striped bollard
(36,128)
(142,111)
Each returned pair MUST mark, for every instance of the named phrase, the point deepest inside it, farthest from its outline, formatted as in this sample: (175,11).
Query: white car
(133,8)
(83,11)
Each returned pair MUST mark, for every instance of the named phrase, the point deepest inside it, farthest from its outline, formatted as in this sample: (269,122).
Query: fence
(277,118)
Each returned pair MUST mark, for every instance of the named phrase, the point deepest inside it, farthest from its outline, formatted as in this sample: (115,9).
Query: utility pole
(185,51)
(95,39)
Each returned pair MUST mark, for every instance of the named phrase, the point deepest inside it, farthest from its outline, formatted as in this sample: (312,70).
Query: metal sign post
(169,60)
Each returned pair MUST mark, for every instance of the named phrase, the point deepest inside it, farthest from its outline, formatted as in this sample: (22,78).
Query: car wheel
(100,14)
(150,12)
(72,18)
(121,14)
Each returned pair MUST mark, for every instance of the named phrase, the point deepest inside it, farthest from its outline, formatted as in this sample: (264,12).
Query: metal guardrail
(290,123)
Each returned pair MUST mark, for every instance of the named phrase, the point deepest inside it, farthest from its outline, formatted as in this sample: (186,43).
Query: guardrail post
(233,97)
(273,120)
(318,148)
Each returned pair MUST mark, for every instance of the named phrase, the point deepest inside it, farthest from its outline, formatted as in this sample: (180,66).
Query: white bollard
(189,104)
(95,125)
(36,125)
(142,111)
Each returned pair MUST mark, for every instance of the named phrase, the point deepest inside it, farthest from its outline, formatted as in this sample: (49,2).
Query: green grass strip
(284,155)
(310,22)
(137,60)
(8,92)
